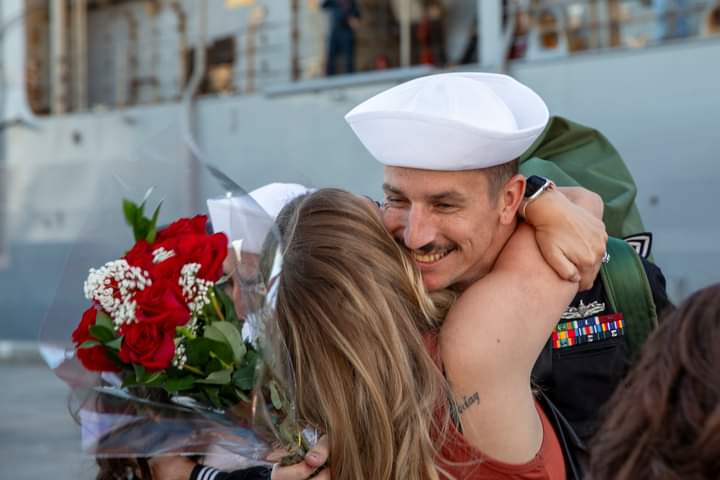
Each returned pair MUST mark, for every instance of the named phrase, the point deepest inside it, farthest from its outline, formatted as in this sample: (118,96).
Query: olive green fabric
(628,291)
(574,155)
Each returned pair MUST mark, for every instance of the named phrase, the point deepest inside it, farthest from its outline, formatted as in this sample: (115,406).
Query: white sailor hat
(274,196)
(250,218)
(450,121)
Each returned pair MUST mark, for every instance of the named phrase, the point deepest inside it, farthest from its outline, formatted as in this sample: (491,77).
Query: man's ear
(511,196)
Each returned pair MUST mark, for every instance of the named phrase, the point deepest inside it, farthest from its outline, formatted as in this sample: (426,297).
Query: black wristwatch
(535,185)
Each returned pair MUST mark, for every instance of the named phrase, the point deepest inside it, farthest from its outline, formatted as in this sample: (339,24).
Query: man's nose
(419,230)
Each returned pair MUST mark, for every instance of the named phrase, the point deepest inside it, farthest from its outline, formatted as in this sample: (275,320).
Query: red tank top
(462,461)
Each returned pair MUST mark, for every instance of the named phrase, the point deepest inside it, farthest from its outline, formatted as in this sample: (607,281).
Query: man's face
(447,221)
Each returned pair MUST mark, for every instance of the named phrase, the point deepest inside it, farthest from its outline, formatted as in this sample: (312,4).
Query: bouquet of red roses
(160,319)
(165,358)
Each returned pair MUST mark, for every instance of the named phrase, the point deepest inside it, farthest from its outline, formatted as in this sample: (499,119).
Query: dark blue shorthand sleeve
(202,472)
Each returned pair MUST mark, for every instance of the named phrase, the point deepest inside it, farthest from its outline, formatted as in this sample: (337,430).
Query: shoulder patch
(641,242)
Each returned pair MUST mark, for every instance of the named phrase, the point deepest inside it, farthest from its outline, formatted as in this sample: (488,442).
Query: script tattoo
(468,402)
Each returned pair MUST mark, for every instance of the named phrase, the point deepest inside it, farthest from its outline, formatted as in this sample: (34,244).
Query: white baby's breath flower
(113,287)
(160,255)
(195,290)
(180,357)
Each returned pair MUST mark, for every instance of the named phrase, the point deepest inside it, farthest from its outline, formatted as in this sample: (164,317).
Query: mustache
(429,248)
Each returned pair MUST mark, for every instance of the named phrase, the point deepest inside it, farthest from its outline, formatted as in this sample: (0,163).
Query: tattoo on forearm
(468,402)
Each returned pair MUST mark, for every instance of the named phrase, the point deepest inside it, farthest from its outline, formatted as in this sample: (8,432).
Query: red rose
(184,226)
(148,344)
(95,358)
(168,270)
(161,303)
(207,250)
(140,255)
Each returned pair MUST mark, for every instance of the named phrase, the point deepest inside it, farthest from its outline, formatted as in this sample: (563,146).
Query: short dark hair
(499,175)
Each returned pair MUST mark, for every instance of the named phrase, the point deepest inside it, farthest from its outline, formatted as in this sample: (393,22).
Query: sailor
(450,145)
(251,217)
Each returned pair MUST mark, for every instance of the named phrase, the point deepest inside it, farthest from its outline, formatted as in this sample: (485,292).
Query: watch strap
(534,187)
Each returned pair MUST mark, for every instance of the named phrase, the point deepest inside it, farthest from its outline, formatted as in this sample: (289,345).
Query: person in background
(344,22)
(430,34)
(664,420)
(711,21)
(672,19)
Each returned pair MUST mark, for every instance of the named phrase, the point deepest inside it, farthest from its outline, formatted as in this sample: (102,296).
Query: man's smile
(427,259)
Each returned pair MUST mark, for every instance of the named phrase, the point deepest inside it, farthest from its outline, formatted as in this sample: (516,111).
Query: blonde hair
(352,311)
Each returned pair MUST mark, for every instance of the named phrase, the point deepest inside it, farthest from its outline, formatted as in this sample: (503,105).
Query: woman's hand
(315,461)
(570,232)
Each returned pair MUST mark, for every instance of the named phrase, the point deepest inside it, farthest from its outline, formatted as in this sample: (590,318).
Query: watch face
(533,184)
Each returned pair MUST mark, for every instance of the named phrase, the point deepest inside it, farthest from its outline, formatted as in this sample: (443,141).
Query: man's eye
(394,201)
(444,206)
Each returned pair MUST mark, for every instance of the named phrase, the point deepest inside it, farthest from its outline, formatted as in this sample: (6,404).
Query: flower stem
(192,369)
(216,306)
(224,365)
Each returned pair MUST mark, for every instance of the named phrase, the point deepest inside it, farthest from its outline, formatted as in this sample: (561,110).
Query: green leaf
(141,228)
(227,304)
(155,379)
(129,381)
(222,352)
(101,333)
(246,376)
(241,395)
(152,233)
(208,355)
(214,334)
(131,211)
(139,372)
(113,355)
(156,214)
(198,351)
(89,344)
(286,431)
(114,344)
(228,333)
(213,396)
(178,384)
(275,397)
(103,319)
(221,377)
(185,332)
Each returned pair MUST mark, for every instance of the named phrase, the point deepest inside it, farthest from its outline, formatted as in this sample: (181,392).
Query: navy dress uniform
(588,353)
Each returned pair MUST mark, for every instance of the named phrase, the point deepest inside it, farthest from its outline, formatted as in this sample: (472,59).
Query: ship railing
(134,55)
